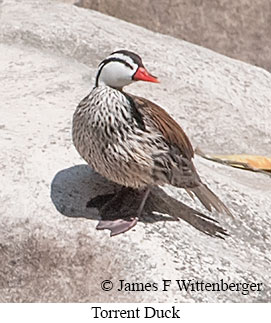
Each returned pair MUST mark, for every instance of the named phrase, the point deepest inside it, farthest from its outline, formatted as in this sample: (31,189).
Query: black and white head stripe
(125,57)
(132,56)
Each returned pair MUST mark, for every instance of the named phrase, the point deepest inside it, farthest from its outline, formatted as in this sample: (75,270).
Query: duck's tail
(209,199)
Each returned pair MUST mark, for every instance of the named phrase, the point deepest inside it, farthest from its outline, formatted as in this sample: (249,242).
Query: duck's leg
(143,202)
(121,213)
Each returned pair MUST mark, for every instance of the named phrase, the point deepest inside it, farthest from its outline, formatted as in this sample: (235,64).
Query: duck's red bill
(143,75)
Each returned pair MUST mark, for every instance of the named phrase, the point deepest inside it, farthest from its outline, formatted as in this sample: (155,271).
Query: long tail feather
(209,199)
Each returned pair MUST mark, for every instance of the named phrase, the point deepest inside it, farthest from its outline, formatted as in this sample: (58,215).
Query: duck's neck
(99,82)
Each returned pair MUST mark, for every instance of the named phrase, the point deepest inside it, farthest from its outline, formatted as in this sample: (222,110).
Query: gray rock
(239,29)
(49,248)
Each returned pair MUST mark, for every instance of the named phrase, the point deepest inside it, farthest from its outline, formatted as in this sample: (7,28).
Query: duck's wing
(169,128)
(180,171)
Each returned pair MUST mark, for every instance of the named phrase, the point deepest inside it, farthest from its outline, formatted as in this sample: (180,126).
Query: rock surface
(239,29)
(49,248)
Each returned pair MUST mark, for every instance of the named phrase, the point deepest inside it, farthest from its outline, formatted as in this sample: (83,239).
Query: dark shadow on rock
(72,188)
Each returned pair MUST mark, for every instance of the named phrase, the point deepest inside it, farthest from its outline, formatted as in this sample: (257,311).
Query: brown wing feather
(170,129)
(175,135)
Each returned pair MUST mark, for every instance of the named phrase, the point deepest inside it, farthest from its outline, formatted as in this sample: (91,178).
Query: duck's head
(122,68)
